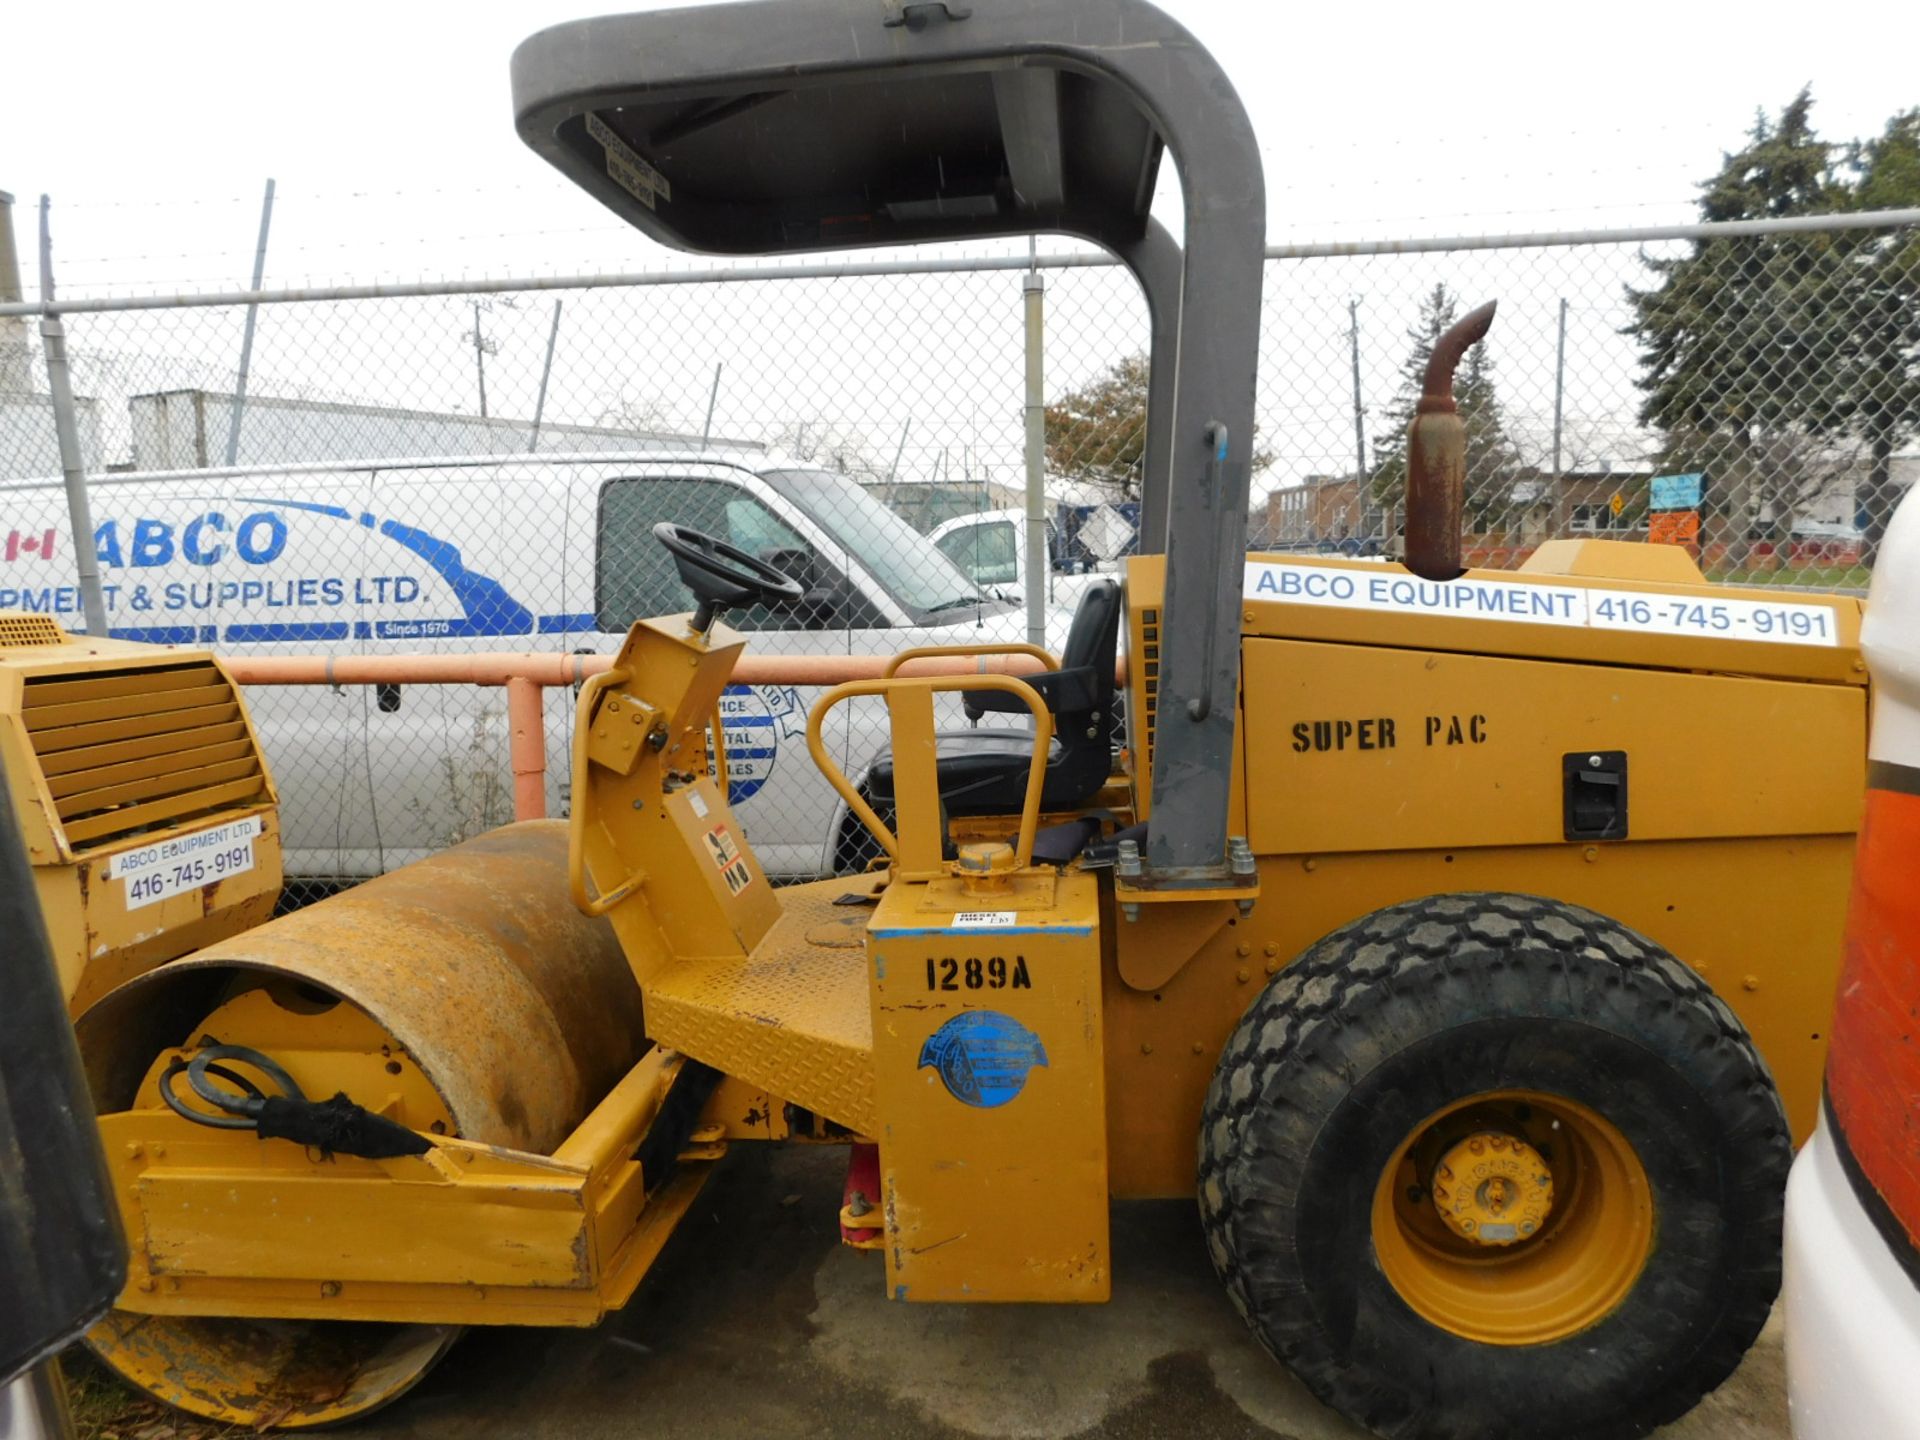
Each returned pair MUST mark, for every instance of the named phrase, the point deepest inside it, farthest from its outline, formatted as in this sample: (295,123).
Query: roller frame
(519,1238)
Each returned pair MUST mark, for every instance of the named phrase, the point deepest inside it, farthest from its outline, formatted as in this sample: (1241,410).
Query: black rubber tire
(1401,1013)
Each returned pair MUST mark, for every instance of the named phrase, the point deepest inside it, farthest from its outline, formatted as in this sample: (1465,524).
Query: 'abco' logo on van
(256,539)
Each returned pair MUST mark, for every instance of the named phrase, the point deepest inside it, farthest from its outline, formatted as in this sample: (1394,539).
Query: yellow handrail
(577,820)
(1009,647)
(1010,684)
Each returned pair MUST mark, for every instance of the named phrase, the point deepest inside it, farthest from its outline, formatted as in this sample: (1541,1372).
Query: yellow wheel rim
(1592,1239)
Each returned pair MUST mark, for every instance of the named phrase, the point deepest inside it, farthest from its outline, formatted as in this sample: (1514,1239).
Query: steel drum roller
(462,995)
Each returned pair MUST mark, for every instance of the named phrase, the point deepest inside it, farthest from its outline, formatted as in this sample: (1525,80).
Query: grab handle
(921,688)
(1011,647)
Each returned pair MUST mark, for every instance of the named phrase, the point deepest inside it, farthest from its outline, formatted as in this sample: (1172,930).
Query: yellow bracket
(916,786)
(590,694)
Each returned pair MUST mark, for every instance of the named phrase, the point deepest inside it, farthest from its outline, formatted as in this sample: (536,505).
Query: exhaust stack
(1437,457)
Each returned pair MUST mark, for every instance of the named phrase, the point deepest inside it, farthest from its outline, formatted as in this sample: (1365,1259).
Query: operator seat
(984,771)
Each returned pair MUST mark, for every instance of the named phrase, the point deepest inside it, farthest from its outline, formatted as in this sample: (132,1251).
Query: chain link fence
(480,470)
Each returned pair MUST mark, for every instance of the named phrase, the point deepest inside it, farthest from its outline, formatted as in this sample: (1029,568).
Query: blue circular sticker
(983,1057)
(754,722)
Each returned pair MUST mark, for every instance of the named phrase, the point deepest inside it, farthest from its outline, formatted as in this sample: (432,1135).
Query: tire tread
(1297,1026)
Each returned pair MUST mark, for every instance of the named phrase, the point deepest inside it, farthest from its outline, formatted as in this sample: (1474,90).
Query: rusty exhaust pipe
(1437,457)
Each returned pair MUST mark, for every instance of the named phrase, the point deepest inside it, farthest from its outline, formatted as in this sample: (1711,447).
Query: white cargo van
(536,553)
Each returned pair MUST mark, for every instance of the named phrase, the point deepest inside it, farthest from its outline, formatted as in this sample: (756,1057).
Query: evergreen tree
(1741,341)
(1883,360)
(1494,462)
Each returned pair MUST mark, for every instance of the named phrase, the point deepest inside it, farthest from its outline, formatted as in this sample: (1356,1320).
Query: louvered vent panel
(18,628)
(1149,684)
(127,751)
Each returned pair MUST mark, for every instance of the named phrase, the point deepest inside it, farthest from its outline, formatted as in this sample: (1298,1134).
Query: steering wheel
(722,575)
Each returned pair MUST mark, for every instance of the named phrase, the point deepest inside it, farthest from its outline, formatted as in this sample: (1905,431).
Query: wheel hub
(1493,1189)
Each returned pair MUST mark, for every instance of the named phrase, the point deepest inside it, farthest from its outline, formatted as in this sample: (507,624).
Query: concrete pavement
(756,1323)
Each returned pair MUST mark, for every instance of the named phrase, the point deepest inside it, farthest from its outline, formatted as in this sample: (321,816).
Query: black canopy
(778,126)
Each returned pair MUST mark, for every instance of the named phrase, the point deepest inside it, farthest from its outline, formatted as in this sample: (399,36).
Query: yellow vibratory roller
(461,996)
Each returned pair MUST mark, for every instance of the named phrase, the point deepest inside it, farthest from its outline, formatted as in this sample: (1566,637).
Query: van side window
(633,574)
(985,553)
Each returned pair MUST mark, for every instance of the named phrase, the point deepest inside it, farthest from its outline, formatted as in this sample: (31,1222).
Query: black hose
(333,1127)
(240,1112)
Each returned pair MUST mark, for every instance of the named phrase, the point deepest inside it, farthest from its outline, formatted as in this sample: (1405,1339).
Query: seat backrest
(1093,643)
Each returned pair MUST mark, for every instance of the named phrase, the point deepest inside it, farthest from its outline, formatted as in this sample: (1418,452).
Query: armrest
(1066,692)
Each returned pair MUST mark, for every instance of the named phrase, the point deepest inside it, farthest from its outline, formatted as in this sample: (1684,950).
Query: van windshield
(917,575)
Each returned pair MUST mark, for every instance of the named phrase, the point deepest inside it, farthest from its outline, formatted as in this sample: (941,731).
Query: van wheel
(1490,1165)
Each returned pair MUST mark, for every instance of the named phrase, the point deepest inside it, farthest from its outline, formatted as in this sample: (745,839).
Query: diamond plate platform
(794,1018)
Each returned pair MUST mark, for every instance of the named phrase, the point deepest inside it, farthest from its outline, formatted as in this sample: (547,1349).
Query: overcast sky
(388,129)
(388,126)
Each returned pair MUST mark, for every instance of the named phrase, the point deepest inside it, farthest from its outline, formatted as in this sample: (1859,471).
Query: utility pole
(713,399)
(1557,510)
(482,347)
(1359,423)
(898,450)
(246,335)
(546,369)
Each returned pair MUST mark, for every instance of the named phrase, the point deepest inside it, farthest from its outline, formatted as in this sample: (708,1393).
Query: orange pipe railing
(526,675)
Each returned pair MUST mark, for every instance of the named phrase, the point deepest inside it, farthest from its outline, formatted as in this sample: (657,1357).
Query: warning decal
(625,168)
(984,919)
(727,859)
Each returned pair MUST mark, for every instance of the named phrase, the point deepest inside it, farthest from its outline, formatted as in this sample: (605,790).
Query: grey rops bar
(781,126)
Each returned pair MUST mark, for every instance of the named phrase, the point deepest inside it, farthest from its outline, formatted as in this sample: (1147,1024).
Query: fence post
(246,336)
(53,335)
(16,350)
(1034,290)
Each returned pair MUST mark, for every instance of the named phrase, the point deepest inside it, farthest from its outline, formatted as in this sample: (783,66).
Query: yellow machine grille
(1149,685)
(18,629)
(139,749)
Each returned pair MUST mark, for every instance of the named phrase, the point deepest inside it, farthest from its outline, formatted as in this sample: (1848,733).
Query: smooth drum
(464,991)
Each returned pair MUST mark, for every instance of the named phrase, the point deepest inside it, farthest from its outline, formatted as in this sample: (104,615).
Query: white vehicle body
(490,554)
(990,549)
(1853,1315)
(1852,1288)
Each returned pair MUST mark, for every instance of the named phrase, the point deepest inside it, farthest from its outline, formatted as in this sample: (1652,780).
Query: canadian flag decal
(40,545)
